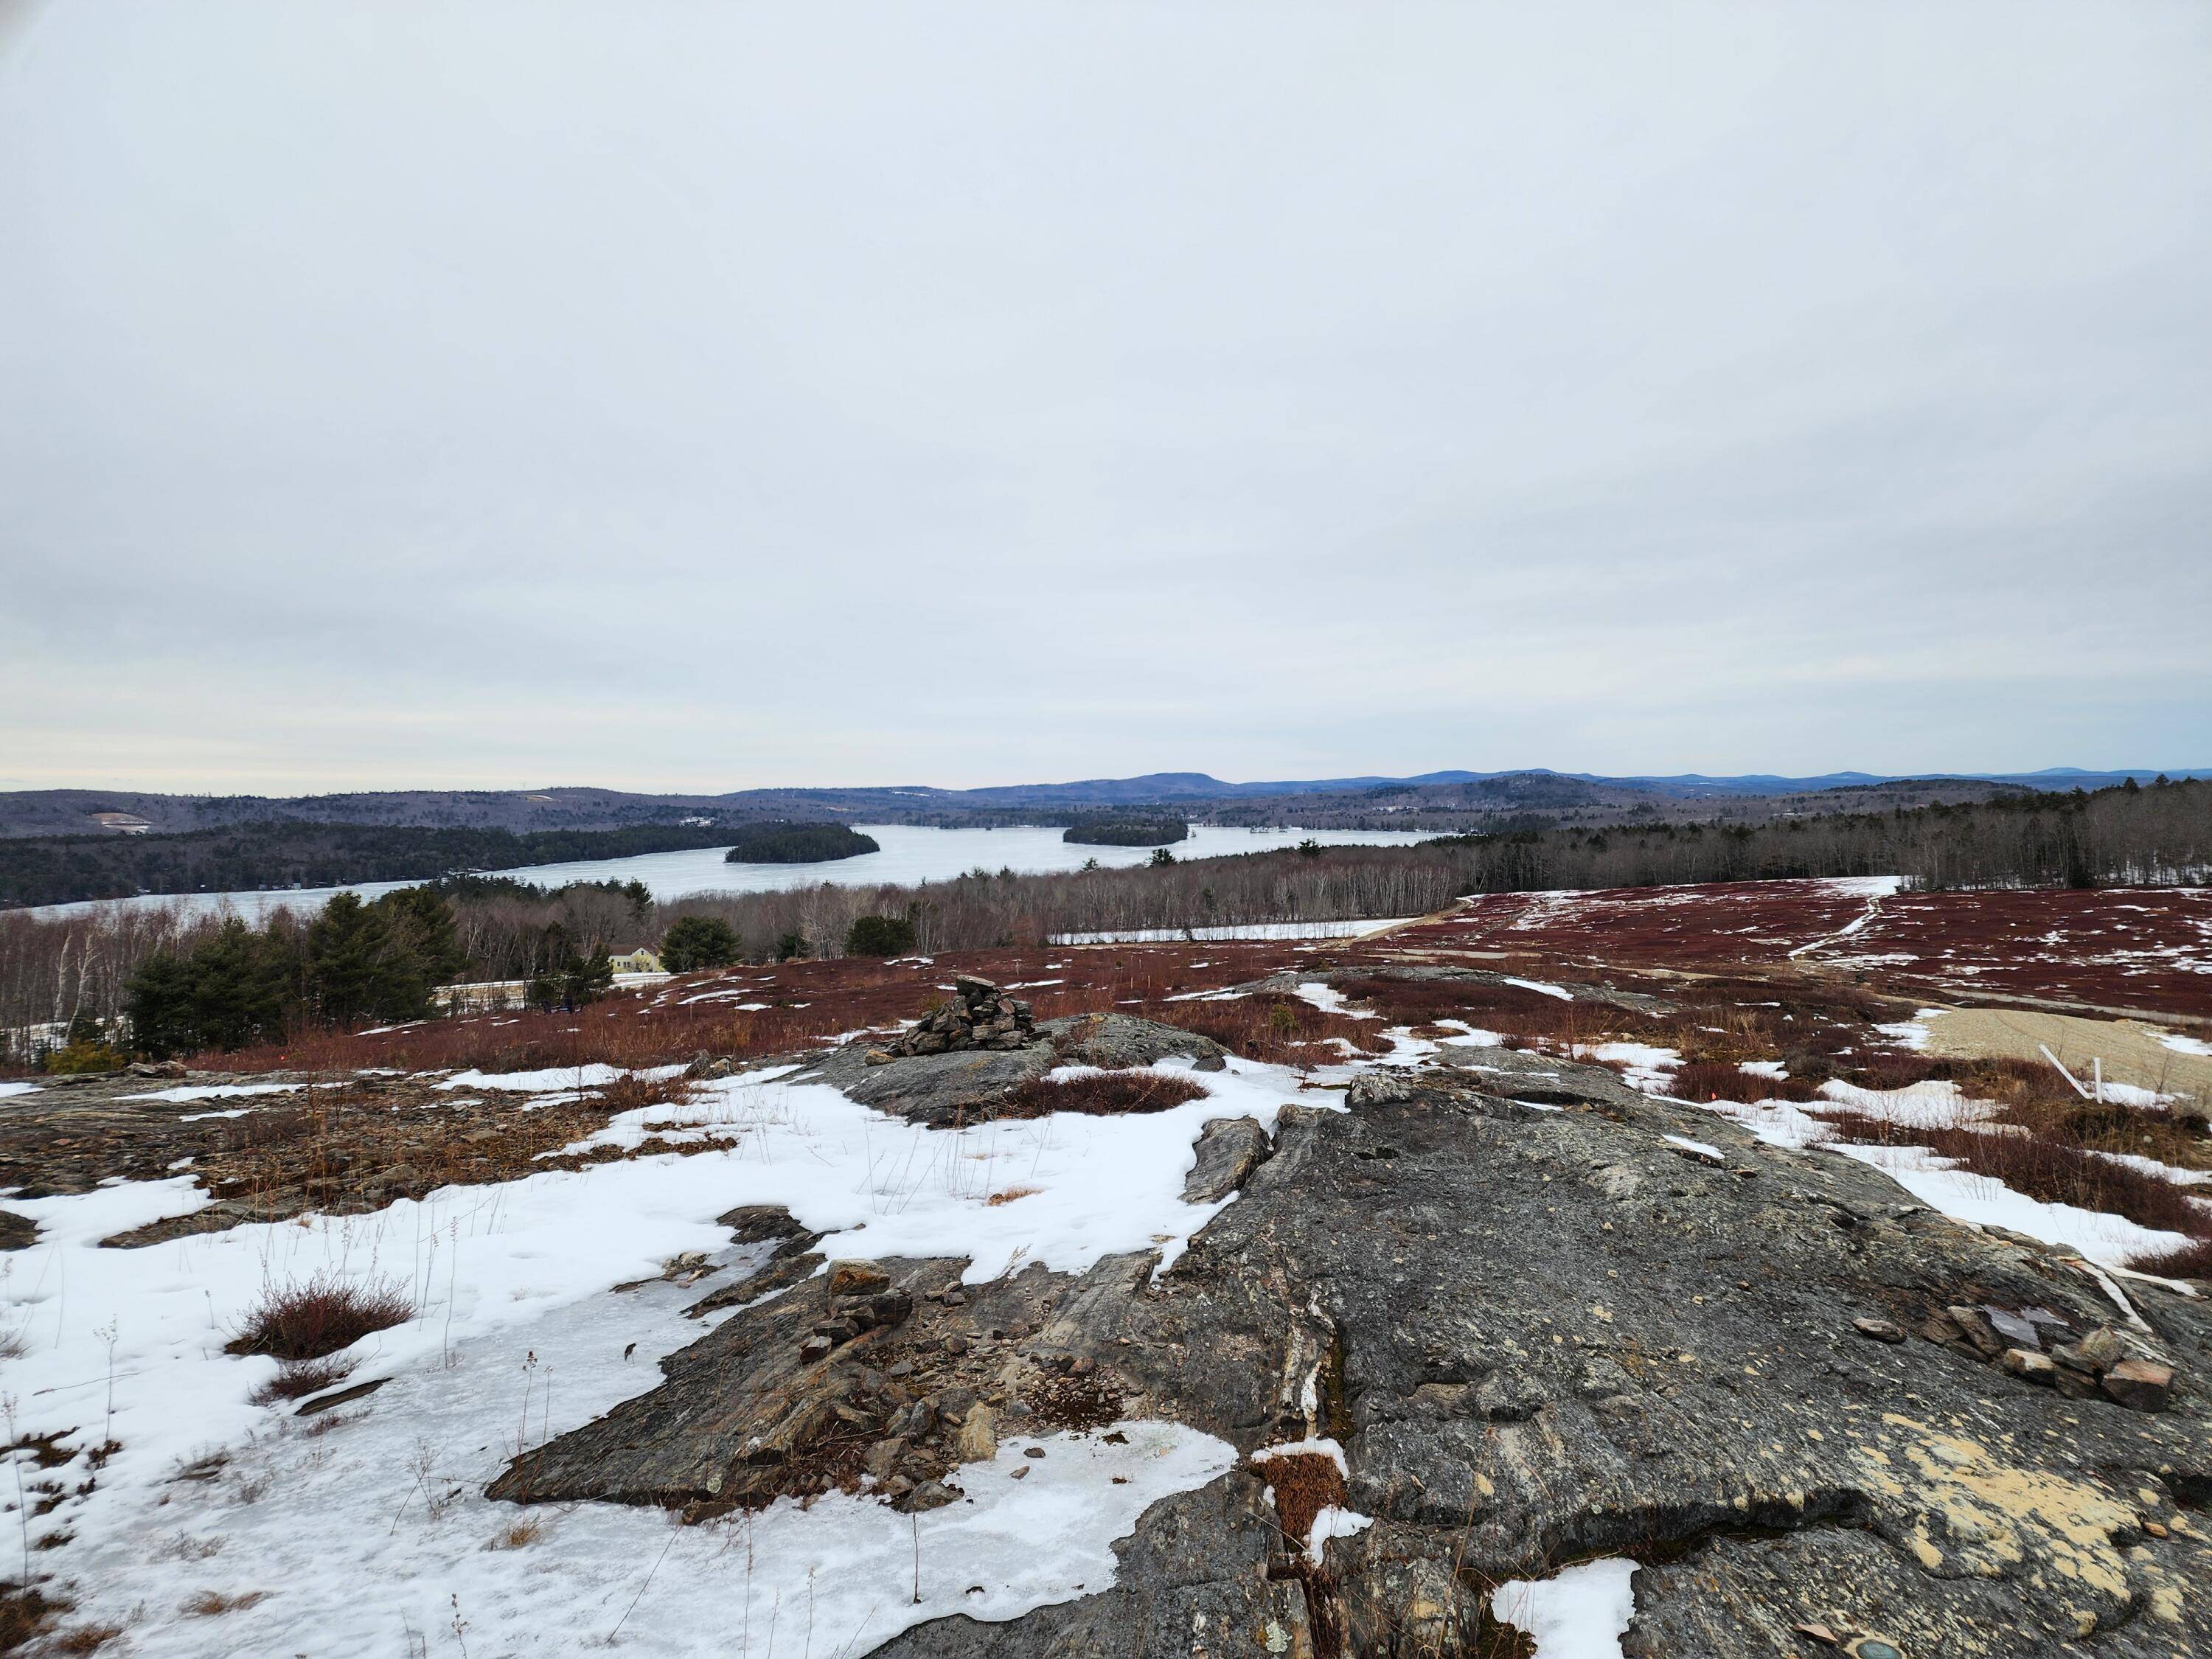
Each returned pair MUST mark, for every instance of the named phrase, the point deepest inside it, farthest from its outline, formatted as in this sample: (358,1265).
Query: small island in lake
(1126,830)
(781,843)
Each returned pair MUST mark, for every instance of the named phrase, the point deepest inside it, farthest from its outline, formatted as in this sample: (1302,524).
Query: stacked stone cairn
(979,1015)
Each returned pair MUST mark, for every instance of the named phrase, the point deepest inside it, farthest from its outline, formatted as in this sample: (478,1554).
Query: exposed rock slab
(948,1088)
(940,1090)
(1524,1074)
(1229,1149)
(1539,1335)
(1115,1040)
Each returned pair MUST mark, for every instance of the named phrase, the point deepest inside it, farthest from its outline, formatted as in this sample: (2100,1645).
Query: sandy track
(2132,1051)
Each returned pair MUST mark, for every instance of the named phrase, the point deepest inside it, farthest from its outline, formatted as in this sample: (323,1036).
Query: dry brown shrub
(86,1638)
(24,1614)
(1274,1027)
(296,1379)
(306,1321)
(1100,1094)
(1703,1080)
(2188,1262)
(2051,1170)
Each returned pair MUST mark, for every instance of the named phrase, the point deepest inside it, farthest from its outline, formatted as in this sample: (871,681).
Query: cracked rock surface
(945,1088)
(1541,1331)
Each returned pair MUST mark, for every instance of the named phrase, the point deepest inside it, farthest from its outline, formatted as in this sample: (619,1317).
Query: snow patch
(367,1522)
(1330,1000)
(1322,1446)
(1239,930)
(1330,1521)
(572,1077)
(1581,1612)
(1546,987)
(217,1090)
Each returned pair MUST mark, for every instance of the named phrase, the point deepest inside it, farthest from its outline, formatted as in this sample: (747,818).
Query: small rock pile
(979,1016)
(860,1299)
(2117,1364)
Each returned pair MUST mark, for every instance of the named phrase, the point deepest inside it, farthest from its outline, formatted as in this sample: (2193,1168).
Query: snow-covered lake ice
(912,852)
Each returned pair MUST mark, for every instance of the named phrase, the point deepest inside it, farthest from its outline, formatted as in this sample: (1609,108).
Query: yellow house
(640,960)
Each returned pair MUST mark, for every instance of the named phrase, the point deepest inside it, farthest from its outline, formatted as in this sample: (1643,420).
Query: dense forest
(54,970)
(798,843)
(62,869)
(1127,829)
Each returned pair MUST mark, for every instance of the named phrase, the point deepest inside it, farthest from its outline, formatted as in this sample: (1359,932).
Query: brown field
(2141,951)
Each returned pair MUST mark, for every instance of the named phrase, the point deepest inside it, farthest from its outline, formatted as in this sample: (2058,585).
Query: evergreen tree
(244,986)
(698,942)
(349,952)
(568,973)
(158,1002)
(879,936)
(425,952)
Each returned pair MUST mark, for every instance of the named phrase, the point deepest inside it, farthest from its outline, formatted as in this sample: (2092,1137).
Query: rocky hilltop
(1540,1318)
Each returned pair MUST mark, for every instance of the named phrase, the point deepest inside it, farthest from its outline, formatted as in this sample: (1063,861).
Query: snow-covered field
(358,1527)
(364,1531)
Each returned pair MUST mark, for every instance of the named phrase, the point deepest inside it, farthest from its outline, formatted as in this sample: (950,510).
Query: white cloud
(501,391)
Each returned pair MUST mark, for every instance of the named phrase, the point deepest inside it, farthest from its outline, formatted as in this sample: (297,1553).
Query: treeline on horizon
(1127,829)
(782,842)
(41,869)
(508,930)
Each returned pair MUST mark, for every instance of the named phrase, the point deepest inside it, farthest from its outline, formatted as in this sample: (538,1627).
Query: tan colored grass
(209,1604)
(86,1638)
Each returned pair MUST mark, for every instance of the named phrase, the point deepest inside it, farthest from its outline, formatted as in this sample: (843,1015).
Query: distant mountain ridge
(71,811)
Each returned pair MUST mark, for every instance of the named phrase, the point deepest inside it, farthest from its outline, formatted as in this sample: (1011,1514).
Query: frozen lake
(911,853)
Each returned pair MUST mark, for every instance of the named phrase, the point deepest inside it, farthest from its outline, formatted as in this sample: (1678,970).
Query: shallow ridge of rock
(948,1087)
(1539,1335)
(1115,1040)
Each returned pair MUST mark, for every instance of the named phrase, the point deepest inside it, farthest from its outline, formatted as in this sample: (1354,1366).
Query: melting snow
(217,1090)
(1330,1521)
(1546,987)
(1330,1000)
(557,1076)
(364,1525)
(1579,1612)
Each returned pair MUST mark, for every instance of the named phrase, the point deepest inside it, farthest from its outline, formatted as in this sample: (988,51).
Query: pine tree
(158,1002)
(696,942)
(348,948)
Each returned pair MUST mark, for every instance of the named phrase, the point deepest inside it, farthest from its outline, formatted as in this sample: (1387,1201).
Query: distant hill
(1452,794)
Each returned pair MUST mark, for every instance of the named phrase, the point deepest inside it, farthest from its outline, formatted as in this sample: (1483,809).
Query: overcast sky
(669,394)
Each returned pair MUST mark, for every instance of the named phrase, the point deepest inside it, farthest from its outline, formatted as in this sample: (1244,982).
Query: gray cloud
(515,392)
